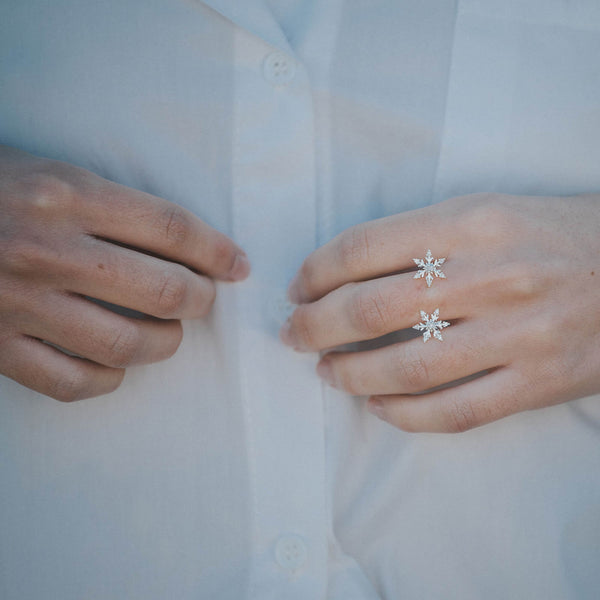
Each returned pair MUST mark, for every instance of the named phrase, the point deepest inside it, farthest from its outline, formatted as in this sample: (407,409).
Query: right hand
(68,235)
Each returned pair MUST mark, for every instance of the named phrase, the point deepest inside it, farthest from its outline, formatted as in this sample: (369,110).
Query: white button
(279,68)
(290,552)
(280,308)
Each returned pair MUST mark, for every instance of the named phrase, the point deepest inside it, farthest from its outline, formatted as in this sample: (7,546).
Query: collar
(255,17)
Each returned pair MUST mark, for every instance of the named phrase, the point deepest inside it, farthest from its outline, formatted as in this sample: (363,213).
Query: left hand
(522,295)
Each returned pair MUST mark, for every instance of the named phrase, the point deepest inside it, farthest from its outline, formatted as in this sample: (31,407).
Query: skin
(522,294)
(68,235)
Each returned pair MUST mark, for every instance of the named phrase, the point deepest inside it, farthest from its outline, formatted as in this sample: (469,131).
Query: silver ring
(431,325)
(430,267)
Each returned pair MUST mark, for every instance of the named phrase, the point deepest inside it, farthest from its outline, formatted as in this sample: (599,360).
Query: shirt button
(279,69)
(280,308)
(291,552)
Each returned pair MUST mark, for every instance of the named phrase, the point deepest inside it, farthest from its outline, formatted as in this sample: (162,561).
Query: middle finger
(413,367)
(144,283)
(366,310)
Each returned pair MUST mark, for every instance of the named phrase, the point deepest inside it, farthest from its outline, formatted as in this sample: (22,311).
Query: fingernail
(241,268)
(285,333)
(325,371)
(375,406)
(294,290)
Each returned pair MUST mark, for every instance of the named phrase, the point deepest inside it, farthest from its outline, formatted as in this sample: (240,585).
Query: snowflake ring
(431,325)
(429,268)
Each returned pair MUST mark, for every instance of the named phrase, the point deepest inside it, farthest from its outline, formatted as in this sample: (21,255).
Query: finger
(412,367)
(144,283)
(367,310)
(370,250)
(483,400)
(116,212)
(45,369)
(100,335)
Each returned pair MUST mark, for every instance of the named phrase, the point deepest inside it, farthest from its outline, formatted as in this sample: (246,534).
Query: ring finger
(413,367)
(90,331)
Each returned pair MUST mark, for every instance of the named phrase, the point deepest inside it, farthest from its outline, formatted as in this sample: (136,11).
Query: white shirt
(230,471)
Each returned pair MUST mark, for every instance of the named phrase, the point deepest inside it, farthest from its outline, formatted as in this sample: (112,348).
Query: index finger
(368,250)
(127,216)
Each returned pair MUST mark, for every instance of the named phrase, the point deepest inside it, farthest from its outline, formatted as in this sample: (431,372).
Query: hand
(522,294)
(67,235)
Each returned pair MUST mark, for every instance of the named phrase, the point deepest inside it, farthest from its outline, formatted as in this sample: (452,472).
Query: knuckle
(370,313)
(222,253)
(520,280)
(347,375)
(48,192)
(210,295)
(112,385)
(407,424)
(413,373)
(125,346)
(175,226)
(171,295)
(71,387)
(171,347)
(553,377)
(350,381)
(403,418)
(460,416)
(207,298)
(23,256)
(488,216)
(354,248)
(302,324)
(308,273)
(507,403)
(542,332)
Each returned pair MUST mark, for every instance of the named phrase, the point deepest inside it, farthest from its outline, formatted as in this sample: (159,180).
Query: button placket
(281,394)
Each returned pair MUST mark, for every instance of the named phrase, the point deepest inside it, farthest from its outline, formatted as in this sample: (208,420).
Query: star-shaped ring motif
(431,325)
(429,268)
